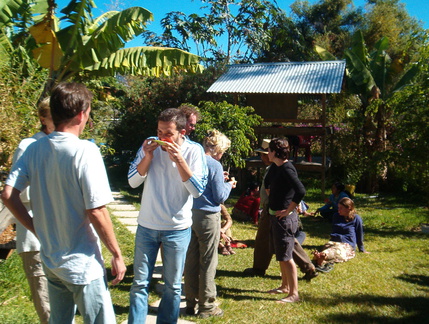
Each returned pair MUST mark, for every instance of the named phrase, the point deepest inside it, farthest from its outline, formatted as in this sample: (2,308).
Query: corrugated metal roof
(286,77)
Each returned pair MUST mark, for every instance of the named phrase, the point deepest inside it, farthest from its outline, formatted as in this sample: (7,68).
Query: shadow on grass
(390,232)
(125,284)
(119,310)
(237,274)
(323,229)
(237,294)
(415,279)
(416,307)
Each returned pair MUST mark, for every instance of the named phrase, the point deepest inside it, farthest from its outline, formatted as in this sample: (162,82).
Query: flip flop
(287,300)
(325,268)
(276,291)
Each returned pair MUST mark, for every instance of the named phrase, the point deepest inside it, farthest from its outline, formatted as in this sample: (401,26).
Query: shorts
(283,235)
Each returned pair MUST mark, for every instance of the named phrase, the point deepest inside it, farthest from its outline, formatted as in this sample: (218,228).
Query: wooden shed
(274,90)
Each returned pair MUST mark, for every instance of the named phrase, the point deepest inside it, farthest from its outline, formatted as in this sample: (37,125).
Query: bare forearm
(227,217)
(102,223)
(184,171)
(12,201)
(144,165)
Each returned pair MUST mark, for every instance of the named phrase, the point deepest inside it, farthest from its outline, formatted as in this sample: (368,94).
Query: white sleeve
(134,177)
(198,165)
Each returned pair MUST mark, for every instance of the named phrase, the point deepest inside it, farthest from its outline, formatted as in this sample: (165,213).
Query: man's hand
(149,146)
(118,269)
(100,219)
(174,151)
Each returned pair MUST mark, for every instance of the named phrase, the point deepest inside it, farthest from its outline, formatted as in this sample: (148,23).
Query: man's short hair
(68,100)
(189,110)
(174,115)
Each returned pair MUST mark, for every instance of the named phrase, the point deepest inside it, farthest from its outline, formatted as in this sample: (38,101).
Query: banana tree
(374,77)
(88,47)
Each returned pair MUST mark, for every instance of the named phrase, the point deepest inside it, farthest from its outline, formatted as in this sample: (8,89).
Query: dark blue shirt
(348,232)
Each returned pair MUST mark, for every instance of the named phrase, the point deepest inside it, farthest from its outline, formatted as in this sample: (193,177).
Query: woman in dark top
(285,192)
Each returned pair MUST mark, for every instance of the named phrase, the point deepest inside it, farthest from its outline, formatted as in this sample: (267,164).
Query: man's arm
(140,166)
(11,199)
(182,166)
(102,223)
(195,182)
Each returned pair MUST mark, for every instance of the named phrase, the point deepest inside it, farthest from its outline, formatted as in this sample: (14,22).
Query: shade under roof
(286,77)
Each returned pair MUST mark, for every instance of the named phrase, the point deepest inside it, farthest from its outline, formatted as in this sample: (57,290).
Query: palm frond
(154,61)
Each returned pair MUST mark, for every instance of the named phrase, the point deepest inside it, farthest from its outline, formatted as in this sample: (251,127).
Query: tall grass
(389,285)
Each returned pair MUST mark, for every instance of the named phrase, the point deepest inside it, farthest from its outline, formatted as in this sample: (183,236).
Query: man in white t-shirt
(174,170)
(69,190)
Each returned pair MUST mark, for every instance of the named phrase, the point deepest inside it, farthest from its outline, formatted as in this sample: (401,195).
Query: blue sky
(418,9)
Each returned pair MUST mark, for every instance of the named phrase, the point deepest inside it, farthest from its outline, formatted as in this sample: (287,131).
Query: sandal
(325,268)
(288,300)
(230,250)
(276,291)
(224,251)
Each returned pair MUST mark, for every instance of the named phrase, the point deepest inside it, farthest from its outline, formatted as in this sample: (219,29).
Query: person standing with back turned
(27,244)
(202,257)
(69,190)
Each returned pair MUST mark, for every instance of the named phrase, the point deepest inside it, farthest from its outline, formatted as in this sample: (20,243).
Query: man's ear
(80,116)
(182,132)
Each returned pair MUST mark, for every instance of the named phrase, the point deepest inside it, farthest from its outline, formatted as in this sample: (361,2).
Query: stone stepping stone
(121,207)
(128,221)
(126,213)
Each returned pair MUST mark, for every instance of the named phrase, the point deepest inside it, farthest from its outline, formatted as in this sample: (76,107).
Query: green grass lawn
(389,285)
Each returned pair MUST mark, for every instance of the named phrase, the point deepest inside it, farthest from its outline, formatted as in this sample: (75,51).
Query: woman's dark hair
(174,115)
(251,186)
(280,147)
(340,186)
(68,100)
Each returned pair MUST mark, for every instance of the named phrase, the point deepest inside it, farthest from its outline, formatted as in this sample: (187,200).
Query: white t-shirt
(26,241)
(67,177)
(167,201)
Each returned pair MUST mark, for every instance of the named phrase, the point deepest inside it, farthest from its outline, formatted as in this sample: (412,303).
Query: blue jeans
(175,244)
(92,300)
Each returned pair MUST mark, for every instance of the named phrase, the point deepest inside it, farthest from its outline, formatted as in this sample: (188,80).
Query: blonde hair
(216,143)
(44,110)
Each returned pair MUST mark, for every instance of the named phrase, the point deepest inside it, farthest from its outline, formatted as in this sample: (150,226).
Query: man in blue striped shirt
(174,171)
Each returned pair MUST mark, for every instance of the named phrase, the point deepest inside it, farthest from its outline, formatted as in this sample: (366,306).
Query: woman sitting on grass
(347,233)
(330,208)
(247,206)
(225,232)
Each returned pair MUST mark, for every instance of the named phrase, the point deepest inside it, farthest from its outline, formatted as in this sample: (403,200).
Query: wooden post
(323,145)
